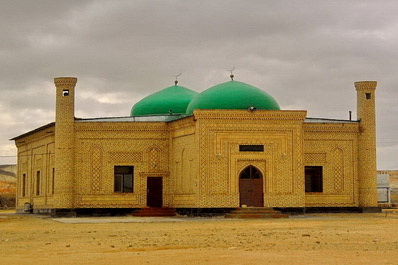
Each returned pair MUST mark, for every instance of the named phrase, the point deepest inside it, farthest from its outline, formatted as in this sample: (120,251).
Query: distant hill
(8,173)
(8,185)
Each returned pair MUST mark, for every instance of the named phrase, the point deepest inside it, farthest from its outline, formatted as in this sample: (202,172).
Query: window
(368,95)
(38,183)
(65,92)
(53,181)
(313,179)
(124,178)
(250,172)
(251,148)
(23,185)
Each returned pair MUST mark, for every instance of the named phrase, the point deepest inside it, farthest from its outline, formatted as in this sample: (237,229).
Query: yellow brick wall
(101,146)
(35,153)
(334,147)
(183,163)
(220,134)
(64,143)
(199,159)
(367,144)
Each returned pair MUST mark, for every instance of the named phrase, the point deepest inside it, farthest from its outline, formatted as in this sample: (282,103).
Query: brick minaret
(367,143)
(64,142)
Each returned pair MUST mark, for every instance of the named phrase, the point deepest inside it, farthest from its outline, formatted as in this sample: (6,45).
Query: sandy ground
(310,239)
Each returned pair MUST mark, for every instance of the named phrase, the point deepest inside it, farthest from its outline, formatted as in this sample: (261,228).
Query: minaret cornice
(65,81)
(365,85)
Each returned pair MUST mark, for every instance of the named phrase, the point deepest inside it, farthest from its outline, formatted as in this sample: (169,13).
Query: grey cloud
(307,54)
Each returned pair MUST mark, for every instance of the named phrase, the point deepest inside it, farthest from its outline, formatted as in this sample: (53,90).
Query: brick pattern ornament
(198,157)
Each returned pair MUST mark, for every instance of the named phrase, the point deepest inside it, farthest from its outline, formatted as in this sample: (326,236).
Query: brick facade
(198,158)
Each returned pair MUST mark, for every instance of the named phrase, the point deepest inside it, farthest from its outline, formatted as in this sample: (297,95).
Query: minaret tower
(366,113)
(64,142)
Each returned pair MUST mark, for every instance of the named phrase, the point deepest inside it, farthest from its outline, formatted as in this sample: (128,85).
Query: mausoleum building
(227,147)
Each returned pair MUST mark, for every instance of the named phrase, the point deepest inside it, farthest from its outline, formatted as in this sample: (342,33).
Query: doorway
(154,195)
(251,187)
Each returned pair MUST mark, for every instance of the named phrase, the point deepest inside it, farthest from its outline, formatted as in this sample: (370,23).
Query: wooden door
(154,192)
(251,187)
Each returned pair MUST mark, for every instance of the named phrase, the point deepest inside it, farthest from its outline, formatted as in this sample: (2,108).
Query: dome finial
(232,75)
(176,81)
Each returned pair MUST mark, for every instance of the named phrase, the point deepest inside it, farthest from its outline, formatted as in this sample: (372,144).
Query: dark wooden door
(251,187)
(154,192)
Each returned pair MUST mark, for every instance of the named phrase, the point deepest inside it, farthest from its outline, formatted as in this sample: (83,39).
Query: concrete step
(247,216)
(154,212)
(255,212)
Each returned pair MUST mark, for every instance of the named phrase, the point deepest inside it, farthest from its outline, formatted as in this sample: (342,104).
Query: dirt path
(315,239)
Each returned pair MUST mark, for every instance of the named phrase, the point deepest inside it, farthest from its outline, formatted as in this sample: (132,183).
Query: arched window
(250,172)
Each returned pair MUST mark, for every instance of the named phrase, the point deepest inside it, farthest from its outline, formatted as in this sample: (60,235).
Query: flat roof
(154,118)
(324,120)
(160,118)
(34,131)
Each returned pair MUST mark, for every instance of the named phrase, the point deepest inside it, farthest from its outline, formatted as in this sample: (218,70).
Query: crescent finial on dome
(175,98)
(232,74)
(176,81)
(233,95)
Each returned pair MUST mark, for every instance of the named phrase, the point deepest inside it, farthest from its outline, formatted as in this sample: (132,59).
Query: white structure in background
(383,188)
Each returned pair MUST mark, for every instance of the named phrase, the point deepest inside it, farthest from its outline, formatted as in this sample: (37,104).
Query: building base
(193,212)
(304,210)
(370,209)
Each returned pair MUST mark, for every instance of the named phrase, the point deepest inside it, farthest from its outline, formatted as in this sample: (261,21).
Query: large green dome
(174,99)
(233,95)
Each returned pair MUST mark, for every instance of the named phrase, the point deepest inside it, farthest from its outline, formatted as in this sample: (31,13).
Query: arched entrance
(251,187)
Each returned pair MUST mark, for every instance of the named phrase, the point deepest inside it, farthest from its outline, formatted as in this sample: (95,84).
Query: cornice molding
(365,85)
(298,115)
(351,128)
(65,82)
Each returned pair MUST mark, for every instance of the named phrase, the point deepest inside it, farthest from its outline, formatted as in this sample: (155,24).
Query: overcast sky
(306,54)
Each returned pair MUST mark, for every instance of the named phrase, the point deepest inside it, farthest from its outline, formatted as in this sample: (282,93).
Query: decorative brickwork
(338,145)
(221,161)
(198,158)
(315,157)
(183,164)
(35,153)
(50,170)
(65,143)
(338,167)
(367,143)
(153,158)
(124,157)
(96,169)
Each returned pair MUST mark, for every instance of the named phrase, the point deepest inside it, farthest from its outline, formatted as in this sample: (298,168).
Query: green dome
(174,99)
(233,95)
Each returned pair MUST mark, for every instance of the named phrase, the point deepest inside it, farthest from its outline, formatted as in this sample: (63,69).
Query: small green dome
(233,95)
(174,99)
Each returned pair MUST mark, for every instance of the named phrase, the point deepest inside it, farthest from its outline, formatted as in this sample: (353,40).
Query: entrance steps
(255,212)
(154,212)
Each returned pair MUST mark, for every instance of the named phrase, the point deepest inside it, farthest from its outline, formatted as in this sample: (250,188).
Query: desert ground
(307,239)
